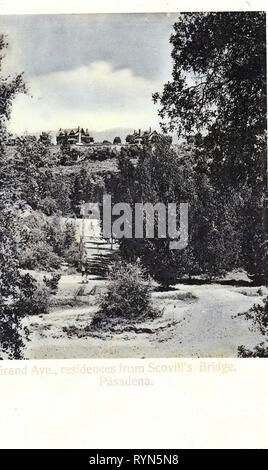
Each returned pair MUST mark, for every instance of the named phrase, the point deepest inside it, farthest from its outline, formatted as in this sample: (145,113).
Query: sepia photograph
(133,185)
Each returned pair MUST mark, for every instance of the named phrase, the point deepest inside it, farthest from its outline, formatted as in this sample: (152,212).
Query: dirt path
(210,328)
(190,327)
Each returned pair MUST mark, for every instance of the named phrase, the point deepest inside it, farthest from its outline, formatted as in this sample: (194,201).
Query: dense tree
(254,241)
(258,315)
(130,139)
(46,138)
(9,88)
(217,101)
(117,140)
(19,293)
(218,89)
(167,174)
(44,242)
(127,298)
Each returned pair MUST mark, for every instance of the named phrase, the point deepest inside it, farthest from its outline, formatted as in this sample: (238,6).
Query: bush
(45,242)
(31,299)
(52,282)
(259,351)
(127,297)
(35,304)
(254,237)
(259,315)
(257,261)
(161,262)
(73,255)
(39,256)
(169,174)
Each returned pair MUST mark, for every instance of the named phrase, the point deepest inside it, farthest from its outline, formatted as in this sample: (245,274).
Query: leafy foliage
(17,291)
(219,90)
(30,175)
(44,242)
(259,351)
(9,88)
(52,282)
(254,238)
(127,297)
(258,314)
(167,174)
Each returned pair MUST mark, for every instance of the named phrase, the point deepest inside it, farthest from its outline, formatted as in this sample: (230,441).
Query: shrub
(127,297)
(168,174)
(39,256)
(254,237)
(48,205)
(45,242)
(161,262)
(259,351)
(52,282)
(35,304)
(31,299)
(257,261)
(259,315)
(73,255)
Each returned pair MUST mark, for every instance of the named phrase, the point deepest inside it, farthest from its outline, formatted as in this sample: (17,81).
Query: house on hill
(77,136)
(141,138)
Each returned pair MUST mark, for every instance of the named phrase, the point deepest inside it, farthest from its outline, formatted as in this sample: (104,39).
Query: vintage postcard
(133,191)
(133,188)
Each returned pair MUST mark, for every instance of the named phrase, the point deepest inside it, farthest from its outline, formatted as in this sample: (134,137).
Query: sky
(97,71)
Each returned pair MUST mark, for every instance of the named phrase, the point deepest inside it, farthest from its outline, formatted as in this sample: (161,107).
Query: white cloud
(96,96)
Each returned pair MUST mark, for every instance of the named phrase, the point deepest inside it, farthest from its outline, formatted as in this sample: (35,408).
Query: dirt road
(197,322)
